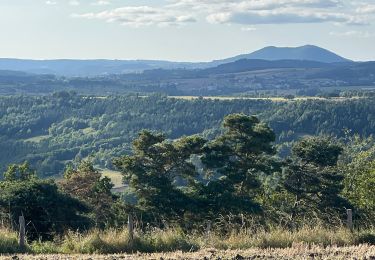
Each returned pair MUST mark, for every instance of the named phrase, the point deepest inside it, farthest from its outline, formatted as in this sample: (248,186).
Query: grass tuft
(8,242)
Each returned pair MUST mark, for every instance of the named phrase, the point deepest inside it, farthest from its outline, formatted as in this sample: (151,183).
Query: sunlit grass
(37,139)
(8,241)
(117,241)
(115,176)
(273,99)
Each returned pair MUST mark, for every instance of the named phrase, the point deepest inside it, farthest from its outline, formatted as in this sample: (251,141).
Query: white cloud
(77,2)
(51,2)
(248,29)
(271,11)
(243,5)
(282,16)
(137,16)
(101,3)
(366,9)
(244,12)
(358,34)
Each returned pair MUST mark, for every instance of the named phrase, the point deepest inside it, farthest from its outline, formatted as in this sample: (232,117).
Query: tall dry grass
(8,242)
(281,238)
(116,241)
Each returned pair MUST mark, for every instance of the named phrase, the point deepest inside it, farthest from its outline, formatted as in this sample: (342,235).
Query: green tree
(314,181)
(154,171)
(19,172)
(360,181)
(47,210)
(237,160)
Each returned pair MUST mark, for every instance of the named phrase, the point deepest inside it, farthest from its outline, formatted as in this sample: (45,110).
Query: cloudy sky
(182,30)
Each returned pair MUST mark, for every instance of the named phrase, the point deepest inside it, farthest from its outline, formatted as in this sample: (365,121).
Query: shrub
(366,237)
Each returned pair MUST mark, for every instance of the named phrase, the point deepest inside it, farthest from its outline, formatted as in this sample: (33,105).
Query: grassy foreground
(295,252)
(248,242)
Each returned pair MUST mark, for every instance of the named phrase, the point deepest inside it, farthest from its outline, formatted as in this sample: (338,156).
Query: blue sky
(182,30)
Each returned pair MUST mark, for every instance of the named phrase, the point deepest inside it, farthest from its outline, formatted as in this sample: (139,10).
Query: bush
(367,237)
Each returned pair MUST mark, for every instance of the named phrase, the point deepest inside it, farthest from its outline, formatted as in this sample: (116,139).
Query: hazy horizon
(114,59)
(182,30)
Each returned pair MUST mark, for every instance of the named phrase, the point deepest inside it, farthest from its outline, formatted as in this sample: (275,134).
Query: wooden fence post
(349,221)
(22,232)
(208,230)
(131,227)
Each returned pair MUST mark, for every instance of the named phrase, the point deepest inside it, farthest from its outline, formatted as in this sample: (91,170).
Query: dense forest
(51,131)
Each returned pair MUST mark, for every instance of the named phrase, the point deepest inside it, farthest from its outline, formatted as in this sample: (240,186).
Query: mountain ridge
(96,67)
(305,52)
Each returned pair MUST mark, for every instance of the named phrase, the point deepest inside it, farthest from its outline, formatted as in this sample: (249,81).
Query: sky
(182,30)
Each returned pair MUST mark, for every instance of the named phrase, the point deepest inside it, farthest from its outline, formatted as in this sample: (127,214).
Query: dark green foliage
(46,209)
(152,170)
(312,177)
(48,131)
(236,159)
(366,238)
(21,172)
(232,164)
(317,150)
(358,166)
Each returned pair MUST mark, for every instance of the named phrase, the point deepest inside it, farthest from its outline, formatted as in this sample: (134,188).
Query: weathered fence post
(131,227)
(22,232)
(242,221)
(208,230)
(349,221)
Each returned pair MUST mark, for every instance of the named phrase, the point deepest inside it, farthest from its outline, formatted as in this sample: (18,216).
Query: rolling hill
(307,52)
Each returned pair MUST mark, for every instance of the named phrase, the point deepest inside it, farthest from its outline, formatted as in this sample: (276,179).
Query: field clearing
(115,176)
(296,252)
(37,139)
(273,99)
(88,130)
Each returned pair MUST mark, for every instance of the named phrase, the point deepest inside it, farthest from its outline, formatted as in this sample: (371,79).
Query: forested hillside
(51,131)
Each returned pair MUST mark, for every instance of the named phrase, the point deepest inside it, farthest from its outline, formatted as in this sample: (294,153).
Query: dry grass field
(115,176)
(298,251)
(273,99)
(307,243)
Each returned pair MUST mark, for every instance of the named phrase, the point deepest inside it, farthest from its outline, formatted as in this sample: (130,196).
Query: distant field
(116,178)
(273,99)
(88,130)
(296,252)
(37,139)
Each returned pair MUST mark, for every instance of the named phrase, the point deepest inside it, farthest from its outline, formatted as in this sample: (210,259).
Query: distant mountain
(307,52)
(66,67)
